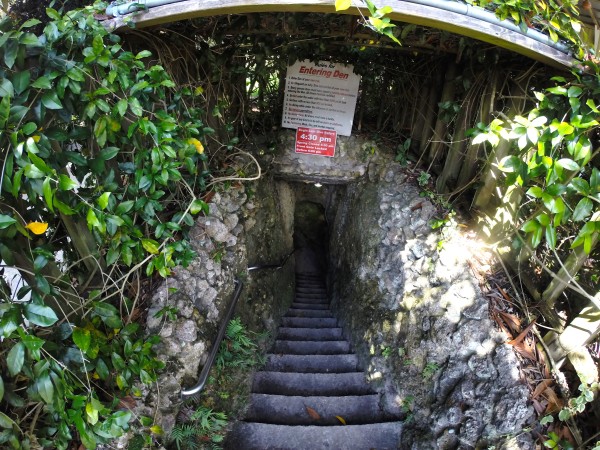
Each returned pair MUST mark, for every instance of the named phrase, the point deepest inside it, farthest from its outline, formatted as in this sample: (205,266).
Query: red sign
(315,141)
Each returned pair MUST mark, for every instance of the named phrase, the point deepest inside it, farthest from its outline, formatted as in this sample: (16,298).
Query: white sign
(321,95)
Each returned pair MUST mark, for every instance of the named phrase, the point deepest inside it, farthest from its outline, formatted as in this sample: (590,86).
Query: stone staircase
(311,385)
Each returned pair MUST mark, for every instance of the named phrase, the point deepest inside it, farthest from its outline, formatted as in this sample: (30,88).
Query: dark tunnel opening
(311,237)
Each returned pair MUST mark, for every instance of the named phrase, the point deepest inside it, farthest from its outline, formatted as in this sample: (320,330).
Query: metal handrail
(197,388)
(213,353)
(273,266)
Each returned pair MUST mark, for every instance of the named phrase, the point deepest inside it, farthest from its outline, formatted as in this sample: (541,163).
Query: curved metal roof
(446,15)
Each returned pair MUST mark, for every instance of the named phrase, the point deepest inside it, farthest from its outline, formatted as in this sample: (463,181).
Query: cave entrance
(311,237)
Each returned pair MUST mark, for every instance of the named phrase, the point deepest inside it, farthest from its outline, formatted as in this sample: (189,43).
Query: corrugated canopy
(447,15)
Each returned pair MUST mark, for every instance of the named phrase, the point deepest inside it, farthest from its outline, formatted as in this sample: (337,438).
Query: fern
(202,430)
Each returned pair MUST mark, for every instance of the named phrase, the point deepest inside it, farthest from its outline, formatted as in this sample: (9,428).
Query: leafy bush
(101,163)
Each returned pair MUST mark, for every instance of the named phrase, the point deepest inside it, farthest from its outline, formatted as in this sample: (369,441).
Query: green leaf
(112,255)
(574,91)
(590,103)
(4,111)
(48,194)
(583,209)
(199,205)
(568,164)
(556,189)
(581,186)
(536,237)
(66,183)
(82,338)
(122,107)
(109,153)
(29,128)
(5,421)
(143,54)
(30,23)
(103,200)
(150,245)
(6,221)
(42,82)
(21,81)
(551,236)
(543,219)
(127,256)
(510,164)
(135,107)
(1,388)
(595,180)
(11,49)
(102,369)
(45,388)
(145,183)
(535,192)
(117,361)
(565,128)
(41,315)
(558,90)
(15,358)
(51,101)
(530,226)
(109,314)
(91,413)
(6,88)
(92,219)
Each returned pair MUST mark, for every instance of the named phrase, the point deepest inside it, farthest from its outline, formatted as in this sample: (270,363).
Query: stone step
(317,300)
(311,290)
(302,312)
(326,384)
(311,363)
(309,286)
(298,305)
(251,436)
(296,347)
(309,322)
(311,295)
(291,410)
(309,334)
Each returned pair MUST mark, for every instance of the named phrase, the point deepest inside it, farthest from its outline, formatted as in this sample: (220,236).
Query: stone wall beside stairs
(418,321)
(247,225)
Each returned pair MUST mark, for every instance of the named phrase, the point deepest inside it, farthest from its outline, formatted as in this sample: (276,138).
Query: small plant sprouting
(577,404)
(423,178)
(170,312)
(429,370)
(407,407)
(554,441)
(387,352)
(402,152)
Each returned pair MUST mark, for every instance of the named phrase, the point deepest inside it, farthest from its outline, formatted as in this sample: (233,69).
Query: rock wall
(416,316)
(352,156)
(246,225)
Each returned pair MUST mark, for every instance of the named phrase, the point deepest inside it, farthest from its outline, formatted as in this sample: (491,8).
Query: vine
(103,159)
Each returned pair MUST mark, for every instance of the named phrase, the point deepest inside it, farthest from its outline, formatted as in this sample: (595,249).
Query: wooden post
(439,134)
(487,107)
(430,108)
(490,194)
